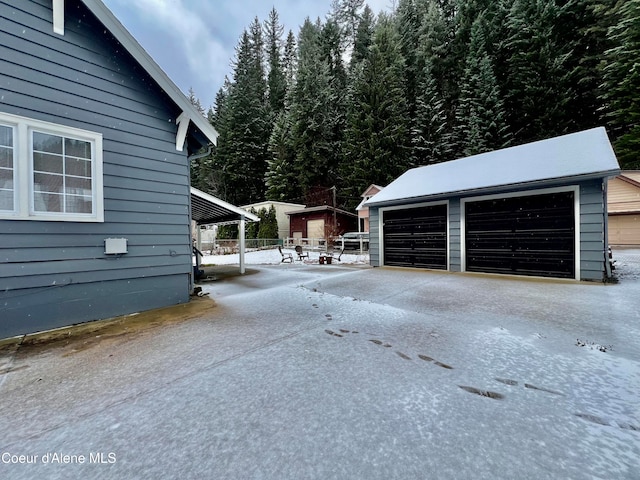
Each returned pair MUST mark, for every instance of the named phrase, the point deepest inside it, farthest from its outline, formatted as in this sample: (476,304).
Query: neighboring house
(537,209)
(322,222)
(281,209)
(94,170)
(623,193)
(363,210)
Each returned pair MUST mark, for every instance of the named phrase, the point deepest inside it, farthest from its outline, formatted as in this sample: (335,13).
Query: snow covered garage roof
(577,156)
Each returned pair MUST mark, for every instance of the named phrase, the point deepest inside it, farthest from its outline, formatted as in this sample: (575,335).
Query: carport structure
(538,209)
(209,210)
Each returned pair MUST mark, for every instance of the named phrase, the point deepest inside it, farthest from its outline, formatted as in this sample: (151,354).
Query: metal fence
(228,246)
(306,243)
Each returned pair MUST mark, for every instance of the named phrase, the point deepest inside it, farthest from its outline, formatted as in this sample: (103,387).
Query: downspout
(200,155)
(605,210)
(192,279)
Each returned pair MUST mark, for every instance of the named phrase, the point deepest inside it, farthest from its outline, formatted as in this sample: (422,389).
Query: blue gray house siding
(56,273)
(592,230)
(592,226)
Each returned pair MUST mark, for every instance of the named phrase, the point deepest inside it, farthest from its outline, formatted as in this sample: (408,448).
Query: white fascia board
(108,19)
(58,17)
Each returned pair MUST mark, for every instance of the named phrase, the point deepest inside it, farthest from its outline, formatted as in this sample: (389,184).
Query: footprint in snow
(482,393)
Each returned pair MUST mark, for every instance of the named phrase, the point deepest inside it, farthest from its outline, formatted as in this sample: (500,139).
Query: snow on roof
(582,155)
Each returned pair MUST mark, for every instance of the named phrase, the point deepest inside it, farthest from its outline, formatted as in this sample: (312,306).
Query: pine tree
(251,230)
(276,80)
(268,224)
(242,152)
(346,14)
(622,82)
(311,111)
(536,90)
(195,101)
(289,61)
(480,117)
(584,31)
(281,177)
(430,136)
(363,36)
(377,137)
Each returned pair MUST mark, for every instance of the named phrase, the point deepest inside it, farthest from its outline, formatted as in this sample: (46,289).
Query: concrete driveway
(299,371)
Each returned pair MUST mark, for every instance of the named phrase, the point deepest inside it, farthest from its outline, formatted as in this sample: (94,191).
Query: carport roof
(207,209)
(577,156)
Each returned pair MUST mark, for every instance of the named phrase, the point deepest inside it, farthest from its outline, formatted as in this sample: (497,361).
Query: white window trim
(407,207)
(525,193)
(23,170)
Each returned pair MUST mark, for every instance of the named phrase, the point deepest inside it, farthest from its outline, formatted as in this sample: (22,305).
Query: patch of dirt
(77,338)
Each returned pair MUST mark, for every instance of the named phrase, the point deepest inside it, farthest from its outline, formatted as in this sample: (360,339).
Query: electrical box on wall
(114,246)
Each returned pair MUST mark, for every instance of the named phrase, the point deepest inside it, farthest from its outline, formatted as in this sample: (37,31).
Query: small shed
(321,222)
(624,209)
(538,209)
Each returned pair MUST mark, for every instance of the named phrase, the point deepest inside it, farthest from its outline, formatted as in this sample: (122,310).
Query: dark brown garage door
(416,237)
(529,235)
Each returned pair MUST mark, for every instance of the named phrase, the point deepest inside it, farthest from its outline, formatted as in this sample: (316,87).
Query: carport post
(242,243)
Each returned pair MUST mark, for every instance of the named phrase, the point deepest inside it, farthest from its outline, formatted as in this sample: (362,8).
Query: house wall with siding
(623,196)
(56,273)
(592,229)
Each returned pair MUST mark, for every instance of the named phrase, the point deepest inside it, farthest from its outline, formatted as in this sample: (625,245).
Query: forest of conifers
(358,98)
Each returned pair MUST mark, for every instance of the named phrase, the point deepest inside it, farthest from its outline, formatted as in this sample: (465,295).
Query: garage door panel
(530,235)
(416,237)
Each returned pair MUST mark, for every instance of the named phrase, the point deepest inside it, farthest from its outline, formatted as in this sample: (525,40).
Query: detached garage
(538,209)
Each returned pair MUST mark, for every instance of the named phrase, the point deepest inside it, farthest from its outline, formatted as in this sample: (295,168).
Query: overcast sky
(194,40)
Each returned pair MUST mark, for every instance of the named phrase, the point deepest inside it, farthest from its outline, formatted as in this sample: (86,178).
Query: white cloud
(177,34)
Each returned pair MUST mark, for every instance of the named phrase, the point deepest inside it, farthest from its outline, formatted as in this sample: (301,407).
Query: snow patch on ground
(273,257)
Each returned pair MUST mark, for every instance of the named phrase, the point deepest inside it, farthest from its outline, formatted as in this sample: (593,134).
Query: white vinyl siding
(49,172)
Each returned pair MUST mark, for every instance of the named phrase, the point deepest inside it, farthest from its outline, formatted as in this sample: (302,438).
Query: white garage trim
(576,214)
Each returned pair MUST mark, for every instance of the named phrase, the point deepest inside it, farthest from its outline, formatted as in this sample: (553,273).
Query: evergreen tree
(243,152)
(363,36)
(622,82)
(251,230)
(311,111)
(268,223)
(584,32)
(536,90)
(195,101)
(346,14)
(480,117)
(276,80)
(377,137)
(289,61)
(431,139)
(281,178)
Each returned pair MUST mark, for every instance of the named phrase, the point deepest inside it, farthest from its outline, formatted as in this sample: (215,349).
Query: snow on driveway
(342,373)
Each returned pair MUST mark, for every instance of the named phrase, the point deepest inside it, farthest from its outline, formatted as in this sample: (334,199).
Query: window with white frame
(49,171)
